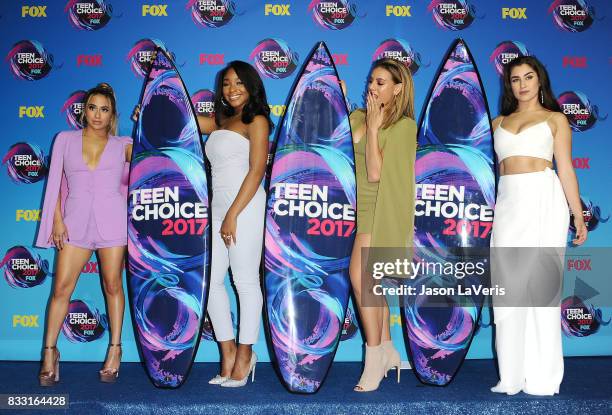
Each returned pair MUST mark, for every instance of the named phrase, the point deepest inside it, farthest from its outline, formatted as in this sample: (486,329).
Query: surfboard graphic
(310,226)
(453,217)
(168,227)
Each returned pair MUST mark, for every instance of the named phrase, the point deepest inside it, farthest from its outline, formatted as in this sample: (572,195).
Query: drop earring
(224,103)
(541,96)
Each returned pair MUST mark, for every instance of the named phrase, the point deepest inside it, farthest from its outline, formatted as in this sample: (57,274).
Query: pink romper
(93,202)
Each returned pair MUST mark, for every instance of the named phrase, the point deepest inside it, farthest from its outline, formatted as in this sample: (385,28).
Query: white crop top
(533,141)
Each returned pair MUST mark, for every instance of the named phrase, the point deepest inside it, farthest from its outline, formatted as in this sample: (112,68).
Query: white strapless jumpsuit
(228,153)
(531,214)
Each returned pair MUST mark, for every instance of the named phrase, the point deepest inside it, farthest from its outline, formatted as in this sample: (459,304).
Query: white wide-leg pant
(244,259)
(531,211)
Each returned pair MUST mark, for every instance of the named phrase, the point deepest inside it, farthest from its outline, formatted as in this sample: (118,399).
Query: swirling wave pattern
(168,284)
(454,149)
(306,275)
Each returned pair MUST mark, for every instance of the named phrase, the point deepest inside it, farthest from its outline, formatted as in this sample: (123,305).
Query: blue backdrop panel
(53,50)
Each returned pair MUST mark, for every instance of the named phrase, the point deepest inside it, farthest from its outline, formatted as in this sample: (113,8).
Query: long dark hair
(258,103)
(509,103)
(105,90)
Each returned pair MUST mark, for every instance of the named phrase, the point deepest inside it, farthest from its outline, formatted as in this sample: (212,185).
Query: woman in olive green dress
(384,139)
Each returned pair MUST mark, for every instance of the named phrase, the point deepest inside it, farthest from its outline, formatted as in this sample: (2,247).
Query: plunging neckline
(101,154)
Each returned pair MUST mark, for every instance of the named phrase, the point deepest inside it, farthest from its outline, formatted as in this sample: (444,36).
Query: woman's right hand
(343,86)
(136,113)
(59,234)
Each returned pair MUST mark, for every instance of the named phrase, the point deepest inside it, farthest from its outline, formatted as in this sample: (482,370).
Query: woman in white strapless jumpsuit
(237,149)
(530,230)
(228,153)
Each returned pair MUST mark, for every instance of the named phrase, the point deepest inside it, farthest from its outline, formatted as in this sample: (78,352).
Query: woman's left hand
(581,232)
(228,229)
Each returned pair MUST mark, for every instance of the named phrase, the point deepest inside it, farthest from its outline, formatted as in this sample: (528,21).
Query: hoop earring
(224,103)
(541,96)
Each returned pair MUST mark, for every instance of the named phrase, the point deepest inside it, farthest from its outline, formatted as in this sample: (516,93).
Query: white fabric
(534,141)
(531,211)
(228,153)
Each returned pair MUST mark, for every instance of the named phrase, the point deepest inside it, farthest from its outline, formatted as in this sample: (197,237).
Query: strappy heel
(373,370)
(110,375)
(50,377)
(393,358)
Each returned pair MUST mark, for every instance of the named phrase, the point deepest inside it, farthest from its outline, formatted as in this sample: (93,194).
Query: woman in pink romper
(85,210)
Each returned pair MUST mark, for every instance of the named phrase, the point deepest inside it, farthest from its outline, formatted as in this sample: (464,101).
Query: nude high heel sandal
(111,375)
(393,358)
(51,377)
(373,370)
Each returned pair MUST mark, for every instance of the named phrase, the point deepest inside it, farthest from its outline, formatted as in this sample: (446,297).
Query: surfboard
(455,197)
(168,227)
(310,226)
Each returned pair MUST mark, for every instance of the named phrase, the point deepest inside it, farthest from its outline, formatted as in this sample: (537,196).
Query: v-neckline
(101,154)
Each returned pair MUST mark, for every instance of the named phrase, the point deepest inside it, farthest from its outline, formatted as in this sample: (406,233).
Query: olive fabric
(386,209)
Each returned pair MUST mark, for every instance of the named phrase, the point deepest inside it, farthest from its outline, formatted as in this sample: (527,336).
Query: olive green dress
(386,209)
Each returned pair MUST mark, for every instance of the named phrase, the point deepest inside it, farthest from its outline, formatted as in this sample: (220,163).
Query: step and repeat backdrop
(55,50)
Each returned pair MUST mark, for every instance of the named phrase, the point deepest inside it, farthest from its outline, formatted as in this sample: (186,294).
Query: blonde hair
(105,90)
(403,103)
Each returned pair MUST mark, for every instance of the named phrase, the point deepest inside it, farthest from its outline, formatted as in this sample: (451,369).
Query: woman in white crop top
(237,148)
(530,230)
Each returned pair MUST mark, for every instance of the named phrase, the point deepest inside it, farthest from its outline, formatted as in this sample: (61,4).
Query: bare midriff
(522,165)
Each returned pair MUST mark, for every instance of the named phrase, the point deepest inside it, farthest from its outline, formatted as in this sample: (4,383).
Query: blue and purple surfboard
(453,217)
(168,227)
(310,226)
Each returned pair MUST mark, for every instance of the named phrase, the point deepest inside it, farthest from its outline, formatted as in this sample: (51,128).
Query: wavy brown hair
(403,103)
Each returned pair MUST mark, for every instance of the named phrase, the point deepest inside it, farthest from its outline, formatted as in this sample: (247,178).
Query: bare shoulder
(559,123)
(259,124)
(559,118)
(207,124)
(497,121)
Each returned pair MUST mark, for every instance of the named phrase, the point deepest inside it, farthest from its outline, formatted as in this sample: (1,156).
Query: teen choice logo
(89,14)
(212,13)
(333,15)
(578,319)
(274,59)
(572,15)
(29,60)
(204,102)
(579,110)
(452,14)
(399,50)
(84,322)
(25,163)
(73,109)
(506,52)
(141,55)
(591,213)
(24,268)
